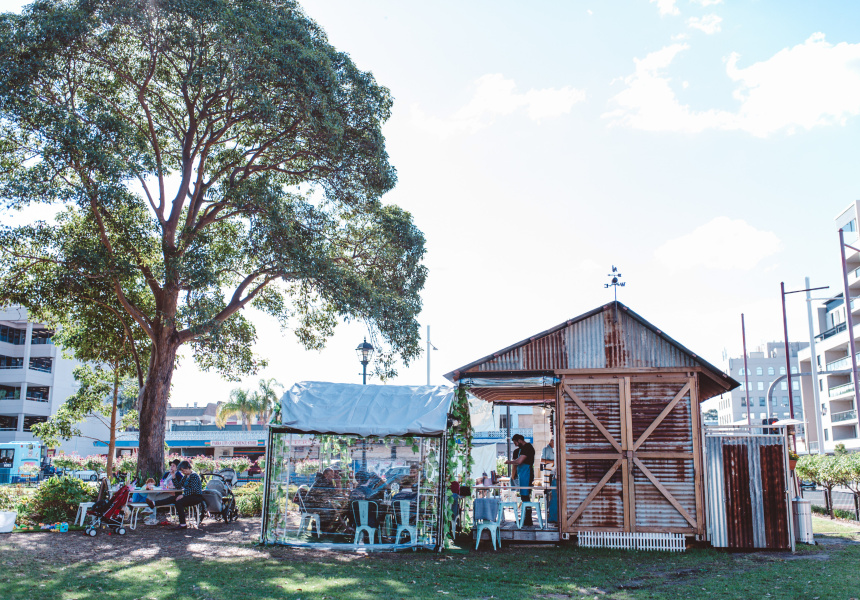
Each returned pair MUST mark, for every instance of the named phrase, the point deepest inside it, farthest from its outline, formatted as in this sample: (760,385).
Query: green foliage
(261,403)
(458,453)
(57,499)
(840,450)
(203,156)
(249,499)
(837,512)
(92,399)
(68,462)
(18,499)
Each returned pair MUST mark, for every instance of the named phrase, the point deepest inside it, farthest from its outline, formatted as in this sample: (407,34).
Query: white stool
(82,512)
(135,507)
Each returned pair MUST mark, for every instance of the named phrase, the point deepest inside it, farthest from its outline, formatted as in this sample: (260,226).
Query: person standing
(524,459)
(547,463)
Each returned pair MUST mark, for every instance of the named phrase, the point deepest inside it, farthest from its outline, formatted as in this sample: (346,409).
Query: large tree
(223,154)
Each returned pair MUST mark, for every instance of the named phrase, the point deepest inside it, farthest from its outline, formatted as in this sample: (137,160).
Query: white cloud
(496,96)
(708,2)
(666,7)
(722,244)
(814,83)
(709,23)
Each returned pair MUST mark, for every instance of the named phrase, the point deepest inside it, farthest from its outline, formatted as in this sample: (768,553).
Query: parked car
(806,485)
(83,474)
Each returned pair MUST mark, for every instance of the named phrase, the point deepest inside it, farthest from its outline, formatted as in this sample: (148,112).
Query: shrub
(57,499)
(68,462)
(96,462)
(249,499)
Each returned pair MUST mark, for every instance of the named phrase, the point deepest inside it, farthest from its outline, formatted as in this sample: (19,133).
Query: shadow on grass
(511,573)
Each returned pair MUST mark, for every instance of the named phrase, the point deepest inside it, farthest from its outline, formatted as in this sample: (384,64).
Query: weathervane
(615,284)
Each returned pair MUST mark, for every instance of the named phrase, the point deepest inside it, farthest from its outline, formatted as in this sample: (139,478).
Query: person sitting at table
(138,497)
(192,491)
(172,475)
(324,498)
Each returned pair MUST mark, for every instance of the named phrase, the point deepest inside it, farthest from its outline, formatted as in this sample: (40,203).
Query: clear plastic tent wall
(357,467)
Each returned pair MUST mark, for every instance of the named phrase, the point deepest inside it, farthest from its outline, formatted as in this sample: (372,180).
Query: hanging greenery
(459,453)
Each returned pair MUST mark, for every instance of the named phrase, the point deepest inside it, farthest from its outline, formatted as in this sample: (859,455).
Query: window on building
(794,370)
(741,371)
(760,385)
(758,371)
(783,385)
(785,401)
(503,421)
(850,225)
(820,385)
(743,400)
(10,335)
(743,387)
(795,386)
(782,370)
(817,361)
(826,435)
(823,408)
(762,401)
(770,370)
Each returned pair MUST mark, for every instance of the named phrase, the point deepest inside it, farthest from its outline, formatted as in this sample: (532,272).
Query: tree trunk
(153,406)
(112,444)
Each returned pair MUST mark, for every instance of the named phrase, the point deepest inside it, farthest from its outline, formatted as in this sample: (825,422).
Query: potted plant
(792,459)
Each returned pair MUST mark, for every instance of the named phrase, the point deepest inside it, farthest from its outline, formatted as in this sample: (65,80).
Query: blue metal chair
(494,527)
(363,518)
(403,517)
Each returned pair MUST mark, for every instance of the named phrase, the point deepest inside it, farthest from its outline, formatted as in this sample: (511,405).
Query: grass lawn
(828,572)
(825,525)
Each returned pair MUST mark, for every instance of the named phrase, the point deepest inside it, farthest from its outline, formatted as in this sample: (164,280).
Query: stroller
(110,513)
(220,501)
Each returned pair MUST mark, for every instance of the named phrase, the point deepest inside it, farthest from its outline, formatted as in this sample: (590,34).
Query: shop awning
(366,410)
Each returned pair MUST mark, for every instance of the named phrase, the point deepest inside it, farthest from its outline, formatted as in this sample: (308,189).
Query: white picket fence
(617,540)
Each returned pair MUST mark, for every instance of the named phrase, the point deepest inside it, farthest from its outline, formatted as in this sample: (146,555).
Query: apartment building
(767,380)
(34,377)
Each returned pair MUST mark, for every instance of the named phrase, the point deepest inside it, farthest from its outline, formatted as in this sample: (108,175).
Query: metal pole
(819,428)
(364,372)
(508,438)
(787,354)
(850,320)
(746,371)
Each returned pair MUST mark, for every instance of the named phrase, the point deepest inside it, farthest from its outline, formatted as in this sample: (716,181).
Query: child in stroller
(109,513)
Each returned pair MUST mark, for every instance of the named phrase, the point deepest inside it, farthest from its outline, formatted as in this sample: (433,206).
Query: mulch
(152,542)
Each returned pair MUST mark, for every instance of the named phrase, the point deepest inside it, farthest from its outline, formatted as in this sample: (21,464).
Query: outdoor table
(136,509)
(537,488)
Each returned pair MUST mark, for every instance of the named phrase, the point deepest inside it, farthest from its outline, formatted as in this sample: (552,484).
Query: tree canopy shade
(206,154)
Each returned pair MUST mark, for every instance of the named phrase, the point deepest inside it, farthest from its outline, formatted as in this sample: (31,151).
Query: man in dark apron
(524,459)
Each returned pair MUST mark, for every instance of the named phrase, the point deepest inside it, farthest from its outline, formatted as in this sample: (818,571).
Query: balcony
(847,415)
(832,331)
(842,364)
(502,434)
(841,390)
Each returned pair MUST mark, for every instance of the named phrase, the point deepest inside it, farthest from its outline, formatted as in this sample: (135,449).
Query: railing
(42,369)
(501,434)
(21,366)
(36,399)
(846,415)
(838,390)
(831,332)
(842,363)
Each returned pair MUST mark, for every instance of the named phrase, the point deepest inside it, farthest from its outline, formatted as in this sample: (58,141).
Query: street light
(365,353)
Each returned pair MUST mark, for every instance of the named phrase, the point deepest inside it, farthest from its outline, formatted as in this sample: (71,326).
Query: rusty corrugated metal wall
(608,339)
(746,490)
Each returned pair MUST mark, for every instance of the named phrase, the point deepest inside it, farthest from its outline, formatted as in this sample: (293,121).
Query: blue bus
(13,455)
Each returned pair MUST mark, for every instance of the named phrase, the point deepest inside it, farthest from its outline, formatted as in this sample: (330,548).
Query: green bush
(18,499)
(249,499)
(837,512)
(57,499)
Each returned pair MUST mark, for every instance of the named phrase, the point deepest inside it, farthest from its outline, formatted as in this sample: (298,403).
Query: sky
(702,147)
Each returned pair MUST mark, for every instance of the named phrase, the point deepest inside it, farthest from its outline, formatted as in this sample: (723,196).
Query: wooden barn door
(630,454)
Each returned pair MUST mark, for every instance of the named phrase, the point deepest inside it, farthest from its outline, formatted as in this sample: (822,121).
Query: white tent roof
(366,410)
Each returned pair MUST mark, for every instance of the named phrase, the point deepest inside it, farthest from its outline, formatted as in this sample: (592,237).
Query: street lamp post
(365,353)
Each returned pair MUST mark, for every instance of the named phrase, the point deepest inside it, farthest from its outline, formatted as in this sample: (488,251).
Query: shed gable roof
(609,337)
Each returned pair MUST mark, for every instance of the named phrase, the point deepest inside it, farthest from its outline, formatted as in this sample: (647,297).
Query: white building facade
(768,396)
(836,403)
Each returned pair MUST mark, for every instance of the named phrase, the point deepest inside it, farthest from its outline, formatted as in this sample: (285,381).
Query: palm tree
(242,403)
(268,400)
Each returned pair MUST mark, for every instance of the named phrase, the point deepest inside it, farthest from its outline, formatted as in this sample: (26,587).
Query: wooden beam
(698,471)
(662,416)
(631,371)
(630,495)
(665,492)
(593,493)
(591,417)
(561,462)
(667,455)
(593,456)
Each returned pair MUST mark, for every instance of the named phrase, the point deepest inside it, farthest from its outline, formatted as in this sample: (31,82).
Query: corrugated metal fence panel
(716,504)
(580,434)
(773,497)
(675,432)
(736,498)
(652,507)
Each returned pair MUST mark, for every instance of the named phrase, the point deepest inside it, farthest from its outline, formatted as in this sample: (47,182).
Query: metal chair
(538,506)
(494,527)
(308,519)
(362,520)
(403,516)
